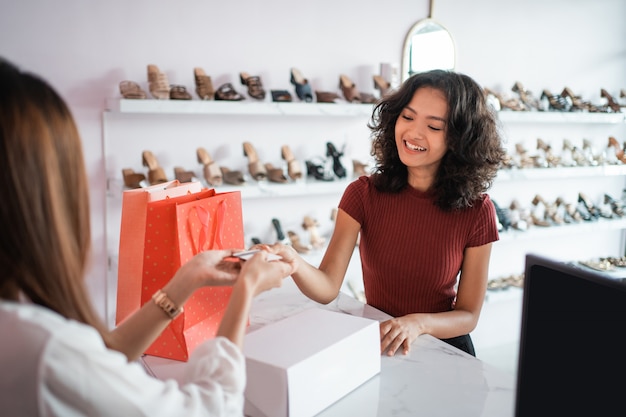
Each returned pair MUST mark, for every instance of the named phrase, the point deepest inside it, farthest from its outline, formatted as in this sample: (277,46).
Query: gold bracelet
(162,300)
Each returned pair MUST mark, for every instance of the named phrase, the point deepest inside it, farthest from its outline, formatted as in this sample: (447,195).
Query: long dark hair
(44,215)
(475,149)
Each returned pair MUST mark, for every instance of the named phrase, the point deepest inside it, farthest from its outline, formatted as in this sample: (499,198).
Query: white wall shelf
(584,227)
(526,174)
(510,116)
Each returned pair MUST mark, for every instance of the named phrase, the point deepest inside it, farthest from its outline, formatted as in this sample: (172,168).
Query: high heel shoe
(616,205)
(525,96)
(504,104)
(550,159)
(382,85)
(156,175)
(133,179)
(503,217)
(553,102)
(519,219)
(204,84)
(311,225)
(211,172)
(586,208)
(256,168)
(614,152)
(302,86)
(294,170)
(297,244)
(538,213)
(232,177)
(158,83)
(254,84)
(349,90)
(577,103)
(318,172)
(338,168)
(179,92)
(612,104)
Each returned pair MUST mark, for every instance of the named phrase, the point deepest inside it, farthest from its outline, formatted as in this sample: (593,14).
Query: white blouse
(51,366)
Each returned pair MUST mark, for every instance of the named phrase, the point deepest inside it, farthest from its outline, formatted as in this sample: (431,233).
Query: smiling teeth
(414,148)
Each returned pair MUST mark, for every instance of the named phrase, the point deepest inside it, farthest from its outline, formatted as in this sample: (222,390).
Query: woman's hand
(262,274)
(211,268)
(398,333)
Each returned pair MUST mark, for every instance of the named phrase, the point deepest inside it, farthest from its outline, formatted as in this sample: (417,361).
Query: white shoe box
(300,365)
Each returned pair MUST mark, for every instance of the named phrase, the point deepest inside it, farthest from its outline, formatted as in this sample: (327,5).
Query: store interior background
(86,48)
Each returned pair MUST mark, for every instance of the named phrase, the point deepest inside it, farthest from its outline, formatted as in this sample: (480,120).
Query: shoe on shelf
(133,179)
(158,83)
(281,96)
(382,85)
(297,244)
(156,175)
(318,171)
(612,104)
(554,102)
(254,84)
(349,90)
(131,90)
(275,174)
(311,225)
(256,168)
(326,97)
(525,96)
(227,92)
(294,170)
(338,168)
(204,84)
(184,176)
(179,92)
(303,88)
(211,172)
(232,177)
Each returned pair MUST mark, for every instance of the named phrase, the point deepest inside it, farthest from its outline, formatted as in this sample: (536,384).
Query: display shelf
(247,107)
(524,174)
(509,116)
(585,227)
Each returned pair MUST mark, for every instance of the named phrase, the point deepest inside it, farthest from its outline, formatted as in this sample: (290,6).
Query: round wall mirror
(427,46)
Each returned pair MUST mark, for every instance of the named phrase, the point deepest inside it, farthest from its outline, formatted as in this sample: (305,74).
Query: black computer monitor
(572,354)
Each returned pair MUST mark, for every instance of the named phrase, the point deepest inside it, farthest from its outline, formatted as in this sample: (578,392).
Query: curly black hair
(475,151)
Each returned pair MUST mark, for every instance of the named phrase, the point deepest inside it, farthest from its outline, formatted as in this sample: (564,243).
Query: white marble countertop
(434,379)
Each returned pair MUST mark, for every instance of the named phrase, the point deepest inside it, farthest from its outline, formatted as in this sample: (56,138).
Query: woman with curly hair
(425,221)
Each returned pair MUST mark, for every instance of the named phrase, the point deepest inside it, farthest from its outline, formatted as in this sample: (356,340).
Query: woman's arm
(400,332)
(323,284)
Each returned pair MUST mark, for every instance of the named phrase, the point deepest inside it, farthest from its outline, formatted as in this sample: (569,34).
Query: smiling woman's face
(421,130)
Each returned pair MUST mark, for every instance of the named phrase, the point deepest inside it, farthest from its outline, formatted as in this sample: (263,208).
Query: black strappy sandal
(338,168)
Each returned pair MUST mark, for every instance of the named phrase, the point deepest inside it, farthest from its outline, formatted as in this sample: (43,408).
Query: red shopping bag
(176,230)
(132,236)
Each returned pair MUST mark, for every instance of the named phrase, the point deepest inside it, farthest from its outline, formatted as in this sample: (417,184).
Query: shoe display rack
(174,128)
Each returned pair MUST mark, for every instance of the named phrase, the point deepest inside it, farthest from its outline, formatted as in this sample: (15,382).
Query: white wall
(86,48)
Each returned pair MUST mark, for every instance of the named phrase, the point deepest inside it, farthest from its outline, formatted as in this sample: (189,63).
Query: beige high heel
(156,175)
(158,83)
(311,225)
(294,170)
(211,172)
(133,179)
(184,176)
(204,84)
(296,244)
(275,174)
(256,168)
(382,85)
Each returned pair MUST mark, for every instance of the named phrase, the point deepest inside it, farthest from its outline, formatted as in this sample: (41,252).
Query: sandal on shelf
(212,173)
(293,165)
(156,175)
(318,172)
(326,97)
(256,168)
(131,90)
(254,84)
(348,88)
(232,177)
(227,92)
(133,179)
(303,88)
(179,92)
(204,84)
(296,244)
(184,176)
(359,168)
(281,96)
(338,168)
(275,174)
(159,84)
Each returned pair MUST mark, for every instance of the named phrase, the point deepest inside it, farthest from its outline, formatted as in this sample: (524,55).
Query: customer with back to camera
(423,215)
(57,357)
